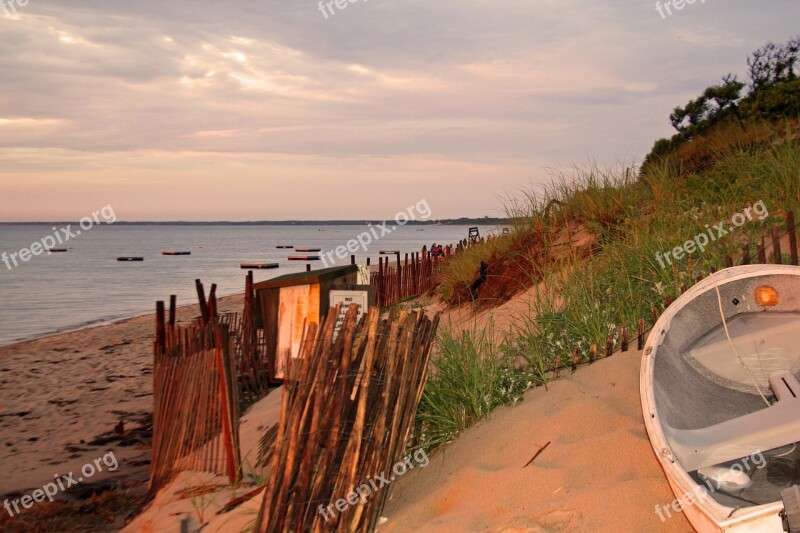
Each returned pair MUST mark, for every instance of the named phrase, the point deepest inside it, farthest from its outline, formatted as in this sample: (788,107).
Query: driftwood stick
(538,453)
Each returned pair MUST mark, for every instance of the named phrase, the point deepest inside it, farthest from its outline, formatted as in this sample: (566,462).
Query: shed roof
(307,278)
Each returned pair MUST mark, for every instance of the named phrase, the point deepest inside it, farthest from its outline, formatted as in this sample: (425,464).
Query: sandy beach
(597,472)
(59,393)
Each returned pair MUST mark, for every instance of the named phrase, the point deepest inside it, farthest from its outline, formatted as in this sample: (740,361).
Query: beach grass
(470,376)
(580,299)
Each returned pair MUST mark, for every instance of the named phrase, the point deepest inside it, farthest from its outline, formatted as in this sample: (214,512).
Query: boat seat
(772,427)
(784,385)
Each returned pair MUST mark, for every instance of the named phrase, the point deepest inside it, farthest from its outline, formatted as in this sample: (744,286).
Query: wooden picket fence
(252,363)
(196,407)
(769,250)
(414,276)
(250,343)
(347,419)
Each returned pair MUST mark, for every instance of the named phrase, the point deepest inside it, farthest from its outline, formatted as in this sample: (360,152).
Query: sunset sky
(251,110)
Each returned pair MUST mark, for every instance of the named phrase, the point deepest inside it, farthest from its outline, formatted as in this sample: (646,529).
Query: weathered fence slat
(347,417)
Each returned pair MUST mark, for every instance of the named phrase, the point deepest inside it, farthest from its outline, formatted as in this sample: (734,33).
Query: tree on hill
(774,81)
(772,64)
(774,92)
(715,104)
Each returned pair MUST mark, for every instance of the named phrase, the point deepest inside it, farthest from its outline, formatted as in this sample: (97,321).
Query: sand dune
(598,472)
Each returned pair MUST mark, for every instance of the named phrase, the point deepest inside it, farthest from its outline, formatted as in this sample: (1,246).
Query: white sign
(347,298)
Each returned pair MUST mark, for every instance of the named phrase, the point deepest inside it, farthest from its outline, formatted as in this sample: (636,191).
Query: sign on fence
(347,298)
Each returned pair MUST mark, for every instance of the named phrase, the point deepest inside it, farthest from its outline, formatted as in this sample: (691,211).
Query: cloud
(511,86)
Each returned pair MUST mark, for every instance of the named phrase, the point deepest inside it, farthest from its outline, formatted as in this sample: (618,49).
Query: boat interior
(727,392)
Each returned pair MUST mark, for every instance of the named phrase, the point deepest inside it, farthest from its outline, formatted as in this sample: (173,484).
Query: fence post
(776,245)
(172,307)
(640,335)
(226,404)
(161,340)
(792,237)
(201,297)
(624,339)
(407,288)
(414,273)
(380,297)
(212,302)
(399,279)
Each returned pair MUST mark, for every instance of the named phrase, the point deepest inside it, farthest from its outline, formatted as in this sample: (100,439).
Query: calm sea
(87,285)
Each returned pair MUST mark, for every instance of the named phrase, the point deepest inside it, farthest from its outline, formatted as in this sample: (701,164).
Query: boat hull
(704,512)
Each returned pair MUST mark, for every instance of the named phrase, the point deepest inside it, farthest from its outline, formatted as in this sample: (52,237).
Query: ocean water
(87,285)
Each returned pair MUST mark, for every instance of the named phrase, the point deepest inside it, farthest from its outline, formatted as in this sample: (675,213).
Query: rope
(728,335)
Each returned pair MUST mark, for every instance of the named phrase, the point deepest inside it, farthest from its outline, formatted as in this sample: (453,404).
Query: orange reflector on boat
(766,296)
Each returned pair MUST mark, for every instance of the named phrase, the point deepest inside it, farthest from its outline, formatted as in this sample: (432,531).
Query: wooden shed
(288,302)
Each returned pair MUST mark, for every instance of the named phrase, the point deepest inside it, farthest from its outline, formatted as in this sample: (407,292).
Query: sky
(267,110)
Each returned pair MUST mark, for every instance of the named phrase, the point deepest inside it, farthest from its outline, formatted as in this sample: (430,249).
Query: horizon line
(485,219)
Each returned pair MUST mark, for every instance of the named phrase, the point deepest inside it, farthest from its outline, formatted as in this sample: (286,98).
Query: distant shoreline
(443,222)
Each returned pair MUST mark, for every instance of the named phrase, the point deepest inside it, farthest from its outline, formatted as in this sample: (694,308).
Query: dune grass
(580,300)
(470,376)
